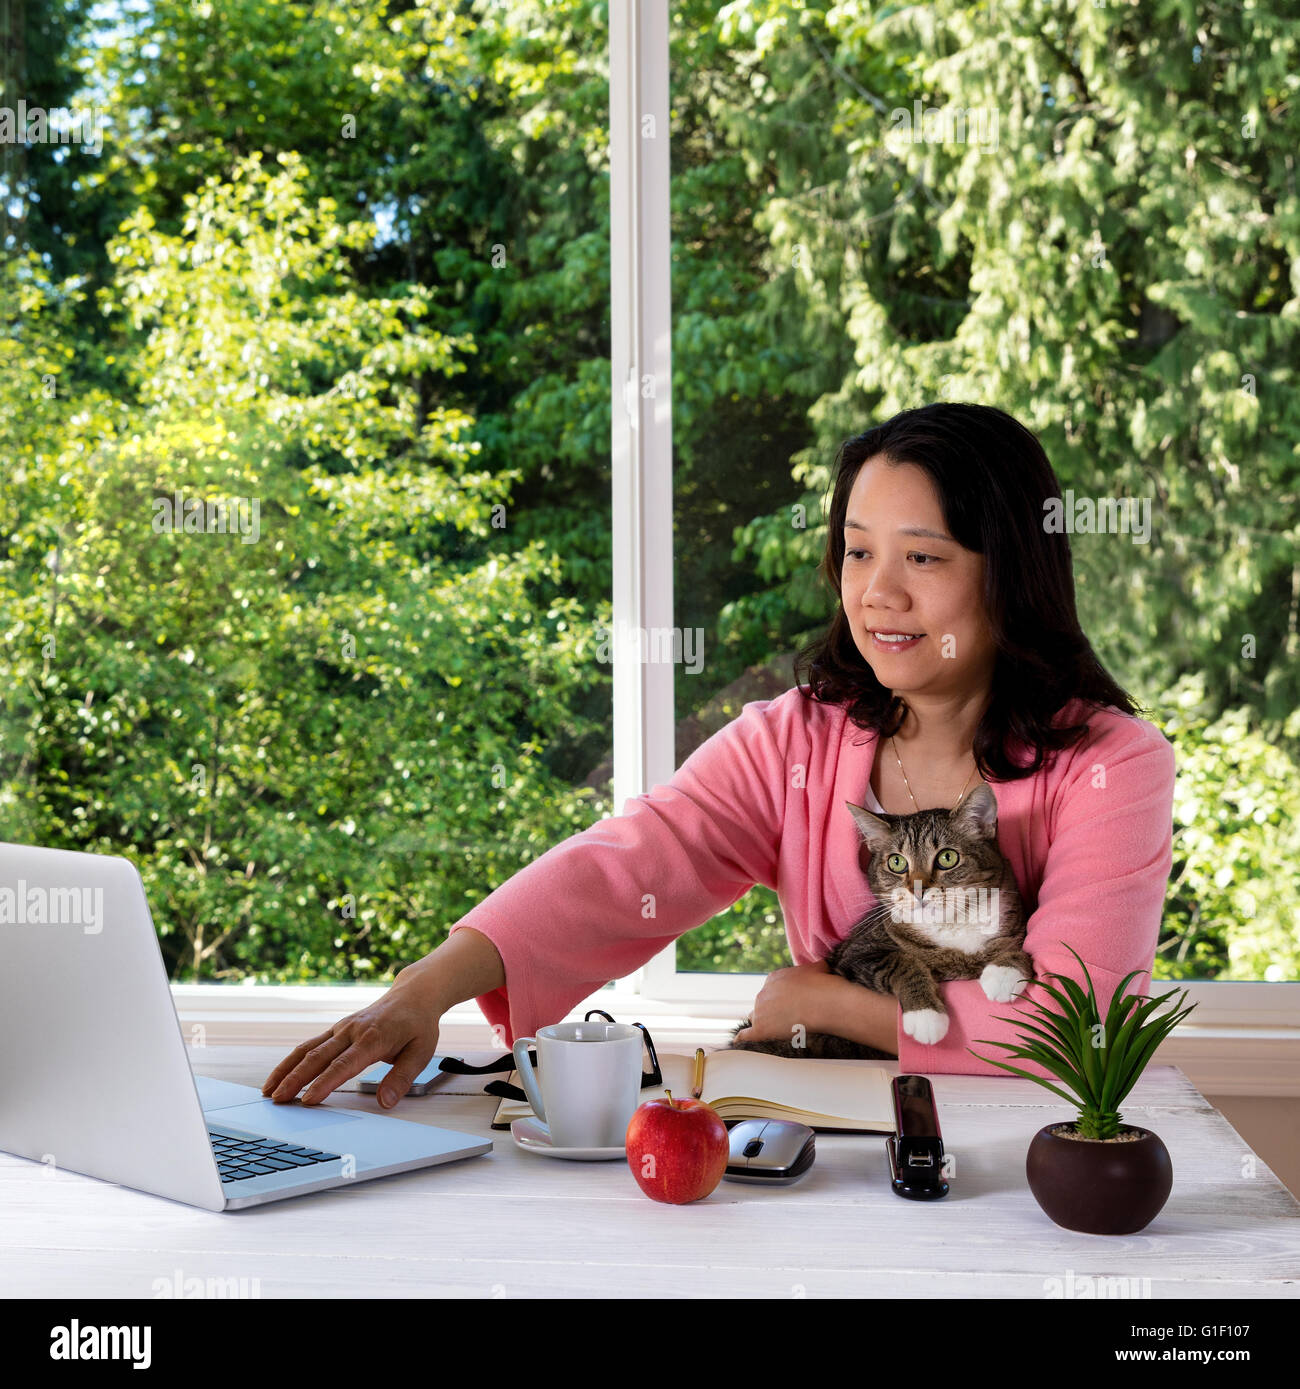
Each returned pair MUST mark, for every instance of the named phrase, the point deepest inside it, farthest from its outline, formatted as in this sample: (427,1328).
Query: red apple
(677,1149)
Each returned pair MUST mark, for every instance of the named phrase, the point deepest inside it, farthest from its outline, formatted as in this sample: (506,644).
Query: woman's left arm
(809,998)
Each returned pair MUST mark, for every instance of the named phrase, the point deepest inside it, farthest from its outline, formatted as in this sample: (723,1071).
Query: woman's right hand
(401,1027)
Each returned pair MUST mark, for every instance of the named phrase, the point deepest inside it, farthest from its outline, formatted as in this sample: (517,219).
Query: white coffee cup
(587,1083)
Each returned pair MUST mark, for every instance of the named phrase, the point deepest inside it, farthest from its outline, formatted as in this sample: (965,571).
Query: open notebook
(828,1096)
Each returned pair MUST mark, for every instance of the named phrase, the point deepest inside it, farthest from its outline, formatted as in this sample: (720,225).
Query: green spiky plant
(1101,1064)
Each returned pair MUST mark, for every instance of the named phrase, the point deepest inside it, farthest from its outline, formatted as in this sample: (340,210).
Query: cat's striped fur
(967,923)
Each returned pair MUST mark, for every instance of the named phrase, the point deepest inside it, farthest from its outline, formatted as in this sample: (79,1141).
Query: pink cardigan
(763,801)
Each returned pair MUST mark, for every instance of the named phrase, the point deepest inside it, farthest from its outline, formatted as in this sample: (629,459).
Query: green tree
(293,733)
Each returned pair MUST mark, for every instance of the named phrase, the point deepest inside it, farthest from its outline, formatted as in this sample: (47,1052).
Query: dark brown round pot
(1098,1186)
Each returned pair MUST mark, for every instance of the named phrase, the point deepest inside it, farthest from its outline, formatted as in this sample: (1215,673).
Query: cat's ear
(980,812)
(875,831)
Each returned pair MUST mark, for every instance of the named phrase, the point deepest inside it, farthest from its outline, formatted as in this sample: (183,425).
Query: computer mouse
(774,1152)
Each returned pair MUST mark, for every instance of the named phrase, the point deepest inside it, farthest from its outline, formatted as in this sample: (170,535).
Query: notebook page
(858,1090)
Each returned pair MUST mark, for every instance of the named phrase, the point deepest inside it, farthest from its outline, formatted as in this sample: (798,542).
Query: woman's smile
(888,641)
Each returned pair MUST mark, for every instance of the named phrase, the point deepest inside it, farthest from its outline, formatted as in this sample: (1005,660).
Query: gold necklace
(908,784)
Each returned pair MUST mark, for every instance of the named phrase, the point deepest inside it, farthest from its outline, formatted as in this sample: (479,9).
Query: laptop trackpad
(273,1119)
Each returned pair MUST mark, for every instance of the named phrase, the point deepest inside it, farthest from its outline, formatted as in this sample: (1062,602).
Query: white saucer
(532,1137)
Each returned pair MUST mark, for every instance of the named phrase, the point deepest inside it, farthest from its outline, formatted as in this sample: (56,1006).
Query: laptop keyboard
(238,1159)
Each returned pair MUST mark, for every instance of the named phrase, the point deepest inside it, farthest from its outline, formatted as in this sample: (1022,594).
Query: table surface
(515,1224)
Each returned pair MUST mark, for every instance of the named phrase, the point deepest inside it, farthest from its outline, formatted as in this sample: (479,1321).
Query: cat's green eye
(896,863)
(947,858)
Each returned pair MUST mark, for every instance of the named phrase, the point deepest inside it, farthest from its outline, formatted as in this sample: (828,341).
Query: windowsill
(235,1014)
(1217,1058)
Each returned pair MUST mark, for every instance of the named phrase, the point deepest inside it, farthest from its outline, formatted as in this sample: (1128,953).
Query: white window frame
(642,440)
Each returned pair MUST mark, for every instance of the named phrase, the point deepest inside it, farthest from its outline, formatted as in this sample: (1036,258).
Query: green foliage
(293,735)
(748,938)
(1236,875)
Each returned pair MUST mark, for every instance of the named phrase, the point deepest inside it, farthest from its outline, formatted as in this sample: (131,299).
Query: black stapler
(916,1149)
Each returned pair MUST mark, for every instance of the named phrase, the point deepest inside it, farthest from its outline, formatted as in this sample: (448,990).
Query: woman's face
(904,574)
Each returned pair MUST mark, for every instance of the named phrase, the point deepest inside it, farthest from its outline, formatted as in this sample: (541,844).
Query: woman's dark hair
(992,478)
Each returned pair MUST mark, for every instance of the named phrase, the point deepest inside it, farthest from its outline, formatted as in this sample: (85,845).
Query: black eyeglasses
(504,1090)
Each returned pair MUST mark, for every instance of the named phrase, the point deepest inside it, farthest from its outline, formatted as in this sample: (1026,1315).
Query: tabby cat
(946,908)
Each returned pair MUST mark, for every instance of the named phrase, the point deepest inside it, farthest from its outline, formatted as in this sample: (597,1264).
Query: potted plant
(1094,1174)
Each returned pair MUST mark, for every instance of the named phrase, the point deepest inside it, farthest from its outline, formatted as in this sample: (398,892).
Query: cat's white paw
(925,1025)
(1002,983)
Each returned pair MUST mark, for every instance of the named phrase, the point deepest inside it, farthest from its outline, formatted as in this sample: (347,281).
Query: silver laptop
(96,1078)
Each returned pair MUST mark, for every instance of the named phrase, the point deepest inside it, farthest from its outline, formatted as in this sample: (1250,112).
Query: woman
(955,653)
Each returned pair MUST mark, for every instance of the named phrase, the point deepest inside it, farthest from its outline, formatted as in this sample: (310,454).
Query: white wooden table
(513,1224)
